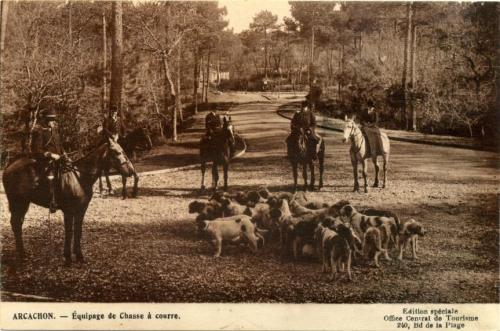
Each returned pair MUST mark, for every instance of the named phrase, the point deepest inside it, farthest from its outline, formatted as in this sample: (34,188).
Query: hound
(335,247)
(232,229)
(409,234)
(387,228)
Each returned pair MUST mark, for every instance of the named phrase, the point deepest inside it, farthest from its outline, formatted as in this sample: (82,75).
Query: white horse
(361,150)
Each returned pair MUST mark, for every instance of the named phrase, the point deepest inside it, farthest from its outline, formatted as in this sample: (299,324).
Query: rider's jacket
(212,122)
(45,139)
(303,120)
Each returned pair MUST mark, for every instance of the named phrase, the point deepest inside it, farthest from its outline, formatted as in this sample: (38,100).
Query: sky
(241,12)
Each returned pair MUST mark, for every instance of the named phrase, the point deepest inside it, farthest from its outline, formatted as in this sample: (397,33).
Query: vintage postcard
(249,165)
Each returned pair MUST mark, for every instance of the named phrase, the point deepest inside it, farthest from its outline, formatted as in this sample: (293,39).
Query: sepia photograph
(274,154)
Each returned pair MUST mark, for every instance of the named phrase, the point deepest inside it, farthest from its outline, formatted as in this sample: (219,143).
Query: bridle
(354,133)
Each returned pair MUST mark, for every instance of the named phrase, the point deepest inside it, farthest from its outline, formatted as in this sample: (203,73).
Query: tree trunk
(169,82)
(104,60)
(196,79)
(413,109)
(406,59)
(218,70)
(5,9)
(70,24)
(115,94)
(203,86)
(207,77)
(310,72)
(265,52)
(178,103)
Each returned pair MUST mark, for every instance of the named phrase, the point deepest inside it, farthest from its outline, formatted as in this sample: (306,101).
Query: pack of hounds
(336,233)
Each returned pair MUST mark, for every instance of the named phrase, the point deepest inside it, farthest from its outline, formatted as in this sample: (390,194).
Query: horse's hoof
(375,185)
(366,190)
(202,187)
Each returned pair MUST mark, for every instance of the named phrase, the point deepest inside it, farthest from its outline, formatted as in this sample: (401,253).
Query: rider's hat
(49,114)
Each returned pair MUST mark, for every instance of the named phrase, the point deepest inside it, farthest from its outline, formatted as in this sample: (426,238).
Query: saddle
(374,140)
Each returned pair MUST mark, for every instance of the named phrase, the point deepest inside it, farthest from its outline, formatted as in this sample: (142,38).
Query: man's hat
(49,114)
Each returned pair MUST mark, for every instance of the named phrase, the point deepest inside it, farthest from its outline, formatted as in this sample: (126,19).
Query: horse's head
(144,140)
(116,155)
(227,128)
(349,128)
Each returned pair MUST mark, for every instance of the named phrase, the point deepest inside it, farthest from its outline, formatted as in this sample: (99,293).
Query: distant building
(212,76)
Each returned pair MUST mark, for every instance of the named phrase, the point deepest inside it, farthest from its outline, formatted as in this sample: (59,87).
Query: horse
(361,150)
(218,151)
(302,149)
(24,184)
(136,140)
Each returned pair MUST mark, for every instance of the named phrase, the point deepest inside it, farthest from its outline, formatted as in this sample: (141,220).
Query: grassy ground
(146,249)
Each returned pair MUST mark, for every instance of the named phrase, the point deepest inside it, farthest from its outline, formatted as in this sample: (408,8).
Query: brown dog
(409,234)
(386,232)
(335,246)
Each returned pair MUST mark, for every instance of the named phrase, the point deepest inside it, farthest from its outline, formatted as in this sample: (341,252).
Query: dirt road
(146,249)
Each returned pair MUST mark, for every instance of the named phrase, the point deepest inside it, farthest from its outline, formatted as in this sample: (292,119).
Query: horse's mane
(90,153)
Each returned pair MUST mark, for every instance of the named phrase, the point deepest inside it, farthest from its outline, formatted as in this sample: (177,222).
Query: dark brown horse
(24,184)
(301,149)
(217,150)
(137,140)
(361,151)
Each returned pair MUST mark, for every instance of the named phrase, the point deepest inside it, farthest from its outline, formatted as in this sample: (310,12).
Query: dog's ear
(238,220)
(275,213)
(225,202)
(248,211)
(195,207)
(347,210)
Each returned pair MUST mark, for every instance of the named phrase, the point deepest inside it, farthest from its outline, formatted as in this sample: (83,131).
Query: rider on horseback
(304,121)
(212,125)
(46,149)
(314,95)
(369,122)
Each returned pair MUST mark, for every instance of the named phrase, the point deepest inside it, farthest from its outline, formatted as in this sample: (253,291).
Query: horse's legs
(321,159)
(215,176)
(16,222)
(377,168)
(77,233)
(100,182)
(68,235)
(295,175)
(136,185)
(313,179)
(364,166)
(225,166)
(124,187)
(108,182)
(304,175)
(203,166)
(386,162)
(355,173)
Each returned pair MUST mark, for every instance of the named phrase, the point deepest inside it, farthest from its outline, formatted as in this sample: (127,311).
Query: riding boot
(53,204)
(319,140)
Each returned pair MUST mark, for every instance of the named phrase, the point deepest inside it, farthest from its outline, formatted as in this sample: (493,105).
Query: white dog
(234,228)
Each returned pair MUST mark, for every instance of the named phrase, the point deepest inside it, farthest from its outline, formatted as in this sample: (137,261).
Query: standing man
(46,149)
(111,125)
